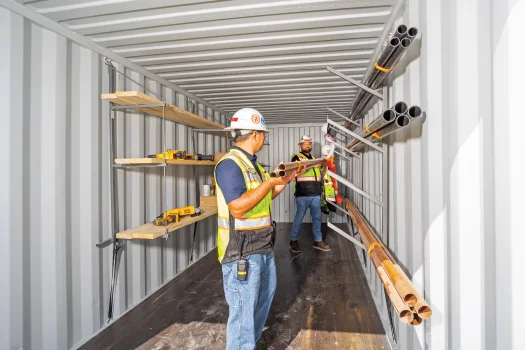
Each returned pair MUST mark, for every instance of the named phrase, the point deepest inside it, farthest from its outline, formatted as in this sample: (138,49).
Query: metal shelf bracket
(354,187)
(355,82)
(351,133)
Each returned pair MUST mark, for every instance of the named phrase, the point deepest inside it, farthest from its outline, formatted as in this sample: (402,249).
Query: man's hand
(281,182)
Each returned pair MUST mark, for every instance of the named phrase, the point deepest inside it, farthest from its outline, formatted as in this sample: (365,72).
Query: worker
(308,190)
(246,232)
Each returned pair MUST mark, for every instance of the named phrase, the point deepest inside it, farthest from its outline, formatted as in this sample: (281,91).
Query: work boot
(322,246)
(294,247)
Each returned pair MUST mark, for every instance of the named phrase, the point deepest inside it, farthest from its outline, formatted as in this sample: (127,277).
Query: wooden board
(150,231)
(172,113)
(139,161)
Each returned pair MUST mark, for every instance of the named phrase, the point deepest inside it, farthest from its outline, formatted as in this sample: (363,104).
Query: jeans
(302,204)
(249,300)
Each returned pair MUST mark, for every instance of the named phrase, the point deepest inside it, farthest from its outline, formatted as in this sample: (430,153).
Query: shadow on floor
(322,302)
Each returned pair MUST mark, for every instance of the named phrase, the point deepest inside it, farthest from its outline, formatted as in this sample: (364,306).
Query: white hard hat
(247,119)
(327,151)
(305,138)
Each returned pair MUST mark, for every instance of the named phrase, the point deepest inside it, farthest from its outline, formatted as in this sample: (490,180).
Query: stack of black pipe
(392,53)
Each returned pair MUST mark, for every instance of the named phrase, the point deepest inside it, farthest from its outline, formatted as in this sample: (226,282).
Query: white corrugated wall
(55,194)
(456,180)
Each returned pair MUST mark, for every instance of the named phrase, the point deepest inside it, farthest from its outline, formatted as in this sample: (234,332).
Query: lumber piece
(171,112)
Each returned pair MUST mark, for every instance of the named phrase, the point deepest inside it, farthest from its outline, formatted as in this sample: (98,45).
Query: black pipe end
(402,120)
(412,32)
(405,42)
(414,112)
(389,115)
(400,107)
(394,41)
(402,29)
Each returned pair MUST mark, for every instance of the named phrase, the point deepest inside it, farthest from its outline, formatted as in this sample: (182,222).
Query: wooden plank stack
(408,303)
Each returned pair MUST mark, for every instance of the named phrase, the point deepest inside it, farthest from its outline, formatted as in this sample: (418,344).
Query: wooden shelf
(150,231)
(172,113)
(148,161)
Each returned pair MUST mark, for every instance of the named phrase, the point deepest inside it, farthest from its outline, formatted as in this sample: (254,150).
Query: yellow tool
(174,215)
(170,154)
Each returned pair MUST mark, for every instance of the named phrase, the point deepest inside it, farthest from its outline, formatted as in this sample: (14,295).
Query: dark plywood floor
(322,302)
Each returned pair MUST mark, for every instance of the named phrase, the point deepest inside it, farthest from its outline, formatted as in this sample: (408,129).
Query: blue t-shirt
(230,179)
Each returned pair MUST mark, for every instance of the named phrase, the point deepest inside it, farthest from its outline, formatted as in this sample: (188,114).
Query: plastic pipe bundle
(408,303)
(387,60)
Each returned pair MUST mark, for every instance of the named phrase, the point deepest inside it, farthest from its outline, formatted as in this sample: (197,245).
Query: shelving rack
(123,100)
(380,200)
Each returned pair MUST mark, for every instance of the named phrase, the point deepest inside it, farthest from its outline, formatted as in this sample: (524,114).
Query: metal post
(165,204)
(114,224)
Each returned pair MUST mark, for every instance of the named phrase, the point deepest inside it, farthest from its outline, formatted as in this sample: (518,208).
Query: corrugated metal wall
(456,180)
(55,192)
(283,143)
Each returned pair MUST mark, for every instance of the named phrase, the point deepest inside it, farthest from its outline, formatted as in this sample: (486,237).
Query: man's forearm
(277,190)
(250,199)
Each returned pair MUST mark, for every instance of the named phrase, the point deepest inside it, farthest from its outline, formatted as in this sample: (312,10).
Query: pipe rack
(407,302)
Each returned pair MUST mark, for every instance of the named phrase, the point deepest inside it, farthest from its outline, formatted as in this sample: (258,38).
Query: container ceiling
(269,55)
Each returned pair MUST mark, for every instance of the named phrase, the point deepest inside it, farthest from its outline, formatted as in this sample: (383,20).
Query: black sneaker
(294,247)
(322,246)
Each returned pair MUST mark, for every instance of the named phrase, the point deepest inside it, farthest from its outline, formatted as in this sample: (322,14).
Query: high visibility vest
(258,219)
(329,190)
(312,175)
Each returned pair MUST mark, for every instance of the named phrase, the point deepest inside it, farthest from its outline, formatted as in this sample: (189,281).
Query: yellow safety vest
(312,175)
(257,221)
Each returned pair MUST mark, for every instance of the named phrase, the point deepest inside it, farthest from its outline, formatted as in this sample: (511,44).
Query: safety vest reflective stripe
(245,224)
(331,199)
(308,179)
(328,183)
(223,222)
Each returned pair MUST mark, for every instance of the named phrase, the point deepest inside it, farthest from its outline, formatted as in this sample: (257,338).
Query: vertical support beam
(384,182)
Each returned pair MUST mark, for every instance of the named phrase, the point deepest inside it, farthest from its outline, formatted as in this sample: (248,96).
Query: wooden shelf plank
(145,161)
(172,113)
(150,231)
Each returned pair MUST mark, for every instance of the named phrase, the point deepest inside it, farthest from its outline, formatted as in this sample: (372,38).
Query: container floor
(322,302)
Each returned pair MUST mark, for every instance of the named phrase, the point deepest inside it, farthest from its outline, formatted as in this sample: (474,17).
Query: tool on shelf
(181,154)
(173,215)
(198,156)
(170,154)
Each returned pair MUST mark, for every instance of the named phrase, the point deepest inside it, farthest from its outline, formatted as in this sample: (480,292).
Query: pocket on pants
(231,285)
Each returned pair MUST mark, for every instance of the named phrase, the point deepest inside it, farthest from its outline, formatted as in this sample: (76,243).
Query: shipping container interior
(91,88)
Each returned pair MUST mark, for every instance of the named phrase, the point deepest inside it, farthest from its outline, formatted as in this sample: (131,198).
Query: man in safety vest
(246,234)
(308,189)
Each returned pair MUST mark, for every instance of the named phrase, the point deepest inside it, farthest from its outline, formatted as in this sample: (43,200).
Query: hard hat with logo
(305,138)
(327,151)
(247,120)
